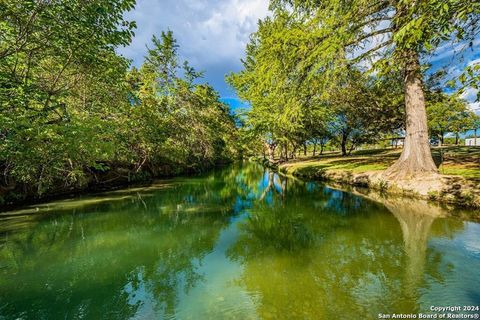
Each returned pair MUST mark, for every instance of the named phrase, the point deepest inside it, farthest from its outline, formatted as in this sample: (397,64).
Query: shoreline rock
(452,190)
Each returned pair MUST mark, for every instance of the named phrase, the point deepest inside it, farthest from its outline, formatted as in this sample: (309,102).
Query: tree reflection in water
(108,260)
(242,242)
(315,252)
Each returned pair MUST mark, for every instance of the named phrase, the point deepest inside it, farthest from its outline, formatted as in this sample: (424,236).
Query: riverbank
(205,242)
(458,181)
(17,194)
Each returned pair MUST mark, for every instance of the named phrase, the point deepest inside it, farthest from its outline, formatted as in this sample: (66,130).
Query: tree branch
(371,51)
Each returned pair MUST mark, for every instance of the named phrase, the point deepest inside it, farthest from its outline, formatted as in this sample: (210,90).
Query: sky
(212,35)
(454,58)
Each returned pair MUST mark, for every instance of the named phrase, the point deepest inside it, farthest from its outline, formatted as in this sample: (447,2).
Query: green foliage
(177,122)
(448,114)
(312,172)
(334,71)
(292,107)
(71,113)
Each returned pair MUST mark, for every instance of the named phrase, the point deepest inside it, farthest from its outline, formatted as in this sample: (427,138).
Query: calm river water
(238,243)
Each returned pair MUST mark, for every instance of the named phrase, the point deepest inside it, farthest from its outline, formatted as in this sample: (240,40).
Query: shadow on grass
(461,155)
(374,163)
(455,160)
(315,172)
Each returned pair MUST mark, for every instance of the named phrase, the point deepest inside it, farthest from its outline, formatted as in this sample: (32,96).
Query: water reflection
(239,243)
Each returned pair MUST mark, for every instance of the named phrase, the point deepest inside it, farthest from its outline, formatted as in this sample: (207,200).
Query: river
(237,243)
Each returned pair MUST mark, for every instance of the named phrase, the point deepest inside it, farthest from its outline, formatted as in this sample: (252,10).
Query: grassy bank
(459,168)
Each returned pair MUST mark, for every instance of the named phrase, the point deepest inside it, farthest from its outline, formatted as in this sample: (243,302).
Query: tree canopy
(74,113)
(354,60)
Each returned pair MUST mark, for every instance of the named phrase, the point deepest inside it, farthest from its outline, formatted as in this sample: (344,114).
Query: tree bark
(351,149)
(314,148)
(305,149)
(416,158)
(344,144)
(286,152)
(293,153)
(271,151)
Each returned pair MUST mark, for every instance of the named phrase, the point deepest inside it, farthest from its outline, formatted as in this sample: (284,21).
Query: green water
(238,243)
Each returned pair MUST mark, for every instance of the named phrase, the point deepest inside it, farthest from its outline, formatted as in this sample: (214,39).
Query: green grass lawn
(462,161)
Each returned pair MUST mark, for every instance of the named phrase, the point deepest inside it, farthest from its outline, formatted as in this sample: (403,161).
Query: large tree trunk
(416,159)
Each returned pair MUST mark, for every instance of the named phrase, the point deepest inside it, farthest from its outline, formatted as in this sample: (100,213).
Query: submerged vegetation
(75,114)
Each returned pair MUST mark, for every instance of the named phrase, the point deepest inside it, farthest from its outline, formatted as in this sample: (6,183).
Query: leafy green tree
(387,35)
(284,106)
(59,88)
(449,114)
(292,106)
(365,108)
(72,114)
(179,123)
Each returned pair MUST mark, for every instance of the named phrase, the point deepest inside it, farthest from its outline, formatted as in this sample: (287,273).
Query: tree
(386,35)
(449,114)
(365,109)
(316,124)
(59,88)
(285,106)
(290,107)
(72,114)
(179,123)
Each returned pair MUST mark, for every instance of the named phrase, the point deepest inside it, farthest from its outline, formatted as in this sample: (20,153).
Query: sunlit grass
(461,161)
(471,173)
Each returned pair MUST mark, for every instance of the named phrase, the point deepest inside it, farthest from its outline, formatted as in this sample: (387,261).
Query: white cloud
(454,53)
(470,95)
(474,62)
(212,34)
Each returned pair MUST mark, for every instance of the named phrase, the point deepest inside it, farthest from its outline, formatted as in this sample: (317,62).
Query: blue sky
(454,58)
(212,35)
